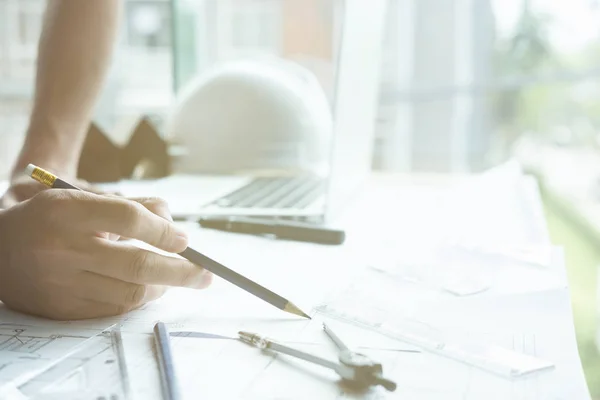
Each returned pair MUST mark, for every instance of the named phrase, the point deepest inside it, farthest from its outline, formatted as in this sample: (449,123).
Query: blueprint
(29,343)
(95,369)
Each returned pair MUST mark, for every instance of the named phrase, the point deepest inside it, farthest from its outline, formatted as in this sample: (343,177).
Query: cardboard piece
(144,156)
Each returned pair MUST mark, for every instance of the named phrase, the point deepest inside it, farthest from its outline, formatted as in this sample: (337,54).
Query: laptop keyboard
(275,192)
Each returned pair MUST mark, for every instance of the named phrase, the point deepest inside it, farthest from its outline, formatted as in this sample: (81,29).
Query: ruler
(482,354)
(94,370)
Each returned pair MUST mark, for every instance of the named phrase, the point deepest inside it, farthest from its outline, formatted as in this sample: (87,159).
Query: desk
(393,213)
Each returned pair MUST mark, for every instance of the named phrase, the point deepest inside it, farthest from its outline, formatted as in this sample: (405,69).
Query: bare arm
(73,59)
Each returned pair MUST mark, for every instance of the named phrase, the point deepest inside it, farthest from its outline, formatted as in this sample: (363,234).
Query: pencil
(165,362)
(53,181)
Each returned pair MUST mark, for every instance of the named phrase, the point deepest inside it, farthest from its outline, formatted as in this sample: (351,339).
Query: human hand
(56,260)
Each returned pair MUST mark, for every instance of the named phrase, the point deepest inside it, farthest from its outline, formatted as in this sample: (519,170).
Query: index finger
(135,265)
(132,220)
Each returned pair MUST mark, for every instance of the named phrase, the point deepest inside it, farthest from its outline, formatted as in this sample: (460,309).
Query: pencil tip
(305,315)
(293,309)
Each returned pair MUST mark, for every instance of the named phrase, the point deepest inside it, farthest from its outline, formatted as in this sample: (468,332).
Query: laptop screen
(356,100)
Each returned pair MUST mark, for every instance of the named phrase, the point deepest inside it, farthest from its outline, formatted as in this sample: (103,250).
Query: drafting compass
(353,367)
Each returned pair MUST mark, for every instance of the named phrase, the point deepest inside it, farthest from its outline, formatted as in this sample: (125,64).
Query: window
(148,24)
(247,27)
(463,80)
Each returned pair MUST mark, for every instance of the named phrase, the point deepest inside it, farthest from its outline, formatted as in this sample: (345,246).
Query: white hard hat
(252,114)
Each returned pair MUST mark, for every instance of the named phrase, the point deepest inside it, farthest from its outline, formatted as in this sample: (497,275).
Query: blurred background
(462,80)
(465,85)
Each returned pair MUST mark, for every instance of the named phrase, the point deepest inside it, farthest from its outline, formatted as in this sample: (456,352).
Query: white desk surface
(394,219)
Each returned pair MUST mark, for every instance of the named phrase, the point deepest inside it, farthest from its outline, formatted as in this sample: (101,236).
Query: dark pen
(281,229)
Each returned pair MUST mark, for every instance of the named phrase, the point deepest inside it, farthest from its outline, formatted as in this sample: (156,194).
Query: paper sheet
(28,343)
(227,369)
(498,212)
(528,318)
(484,236)
(462,272)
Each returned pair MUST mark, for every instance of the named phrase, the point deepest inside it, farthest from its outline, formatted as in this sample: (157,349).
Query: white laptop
(299,196)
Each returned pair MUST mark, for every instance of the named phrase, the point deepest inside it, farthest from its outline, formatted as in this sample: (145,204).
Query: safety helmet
(250,114)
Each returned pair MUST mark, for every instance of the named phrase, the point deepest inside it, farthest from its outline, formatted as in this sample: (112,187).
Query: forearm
(73,59)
